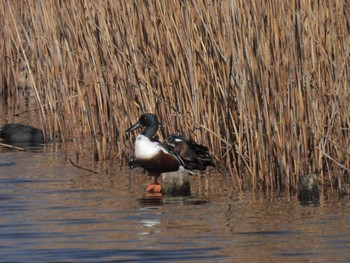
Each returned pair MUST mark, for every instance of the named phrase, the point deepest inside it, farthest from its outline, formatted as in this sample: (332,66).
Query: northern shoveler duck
(176,153)
(19,133)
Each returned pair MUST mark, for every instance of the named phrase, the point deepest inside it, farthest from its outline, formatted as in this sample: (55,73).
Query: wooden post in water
(176,183)
(308,189)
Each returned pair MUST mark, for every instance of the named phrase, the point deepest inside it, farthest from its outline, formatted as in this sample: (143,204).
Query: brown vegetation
(265,84)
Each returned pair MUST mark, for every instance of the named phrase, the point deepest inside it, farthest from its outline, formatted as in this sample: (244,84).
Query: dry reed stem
(264,84)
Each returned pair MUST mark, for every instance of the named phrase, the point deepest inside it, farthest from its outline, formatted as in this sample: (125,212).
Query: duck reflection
(151,200)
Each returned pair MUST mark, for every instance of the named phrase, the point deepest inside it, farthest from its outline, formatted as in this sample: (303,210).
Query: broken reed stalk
(264,84)
(12,146)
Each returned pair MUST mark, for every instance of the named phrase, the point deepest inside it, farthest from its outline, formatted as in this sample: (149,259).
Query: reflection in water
(7,163)
(151,200)
(52,211)
(150,222)
(159,199)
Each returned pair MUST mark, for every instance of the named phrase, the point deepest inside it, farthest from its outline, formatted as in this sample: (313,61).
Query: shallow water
(52,211)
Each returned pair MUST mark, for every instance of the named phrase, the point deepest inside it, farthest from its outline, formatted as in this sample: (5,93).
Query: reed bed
(264,84)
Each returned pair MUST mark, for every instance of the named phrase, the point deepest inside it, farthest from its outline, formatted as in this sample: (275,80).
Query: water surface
(52,211)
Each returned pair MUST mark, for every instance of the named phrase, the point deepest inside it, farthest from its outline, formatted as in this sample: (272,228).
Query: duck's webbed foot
(154,188)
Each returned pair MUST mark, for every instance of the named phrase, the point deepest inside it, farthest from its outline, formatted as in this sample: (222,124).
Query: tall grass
(265,84)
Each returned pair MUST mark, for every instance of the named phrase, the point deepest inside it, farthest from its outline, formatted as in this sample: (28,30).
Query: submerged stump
(176,183)
(308,188)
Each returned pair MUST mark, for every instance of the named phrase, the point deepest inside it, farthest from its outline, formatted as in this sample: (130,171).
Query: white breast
(145,148)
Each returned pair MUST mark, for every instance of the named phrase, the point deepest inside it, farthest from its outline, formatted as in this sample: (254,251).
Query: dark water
(51,211)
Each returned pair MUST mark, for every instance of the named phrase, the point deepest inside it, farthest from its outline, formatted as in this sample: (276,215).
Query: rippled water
(52,211)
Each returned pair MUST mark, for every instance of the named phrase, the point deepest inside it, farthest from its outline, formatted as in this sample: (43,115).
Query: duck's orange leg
(155,187)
